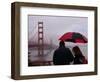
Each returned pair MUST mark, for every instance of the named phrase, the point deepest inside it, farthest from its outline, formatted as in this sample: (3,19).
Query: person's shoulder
(57,50)
(67,48)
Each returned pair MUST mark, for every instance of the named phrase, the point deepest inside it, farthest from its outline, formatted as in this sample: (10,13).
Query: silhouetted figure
(79,57)
(63,55)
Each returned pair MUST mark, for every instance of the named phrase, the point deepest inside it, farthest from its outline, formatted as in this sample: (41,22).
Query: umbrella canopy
(73,37)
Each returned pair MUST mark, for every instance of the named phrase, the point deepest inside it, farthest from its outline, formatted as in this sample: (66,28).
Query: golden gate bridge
(40,42)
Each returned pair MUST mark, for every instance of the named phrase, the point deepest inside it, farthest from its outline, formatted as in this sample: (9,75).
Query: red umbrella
(73,37)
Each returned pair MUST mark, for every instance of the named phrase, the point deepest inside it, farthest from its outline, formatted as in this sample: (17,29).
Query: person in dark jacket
(62,55)
(79,57)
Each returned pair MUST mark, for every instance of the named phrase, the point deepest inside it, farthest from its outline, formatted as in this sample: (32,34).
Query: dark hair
(61,43)
(77,51)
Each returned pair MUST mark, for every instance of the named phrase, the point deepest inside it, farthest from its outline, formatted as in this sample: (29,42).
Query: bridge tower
(40,39)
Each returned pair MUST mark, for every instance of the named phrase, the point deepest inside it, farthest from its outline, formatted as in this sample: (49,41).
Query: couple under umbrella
(63,55)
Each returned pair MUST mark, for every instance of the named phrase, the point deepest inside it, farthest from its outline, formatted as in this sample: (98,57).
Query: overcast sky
(56,26)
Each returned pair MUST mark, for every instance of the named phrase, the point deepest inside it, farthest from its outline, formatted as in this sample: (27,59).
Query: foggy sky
(56,26)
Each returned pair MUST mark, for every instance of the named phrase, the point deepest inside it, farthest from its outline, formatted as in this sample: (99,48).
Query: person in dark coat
(62,55)
(79,57)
